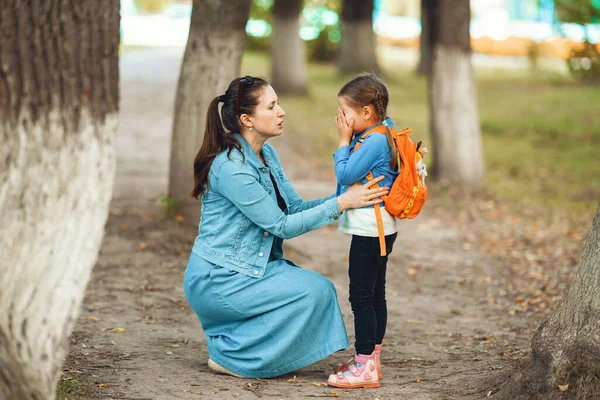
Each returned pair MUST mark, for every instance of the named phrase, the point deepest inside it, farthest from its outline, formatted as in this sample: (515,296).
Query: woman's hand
(359,195)
(345,128)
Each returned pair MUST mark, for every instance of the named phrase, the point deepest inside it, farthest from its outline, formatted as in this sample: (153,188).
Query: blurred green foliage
(581,12)
(322,46)
(584,62)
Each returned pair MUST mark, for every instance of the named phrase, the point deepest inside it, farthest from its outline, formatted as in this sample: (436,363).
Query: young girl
(362,106)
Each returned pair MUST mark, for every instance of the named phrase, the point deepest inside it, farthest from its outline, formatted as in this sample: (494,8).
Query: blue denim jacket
(374,154)
(241,221)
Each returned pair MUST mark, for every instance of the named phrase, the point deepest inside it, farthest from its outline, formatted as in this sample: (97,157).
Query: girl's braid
(380,108)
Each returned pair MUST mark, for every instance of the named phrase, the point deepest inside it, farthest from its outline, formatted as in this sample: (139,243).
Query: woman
(263,315)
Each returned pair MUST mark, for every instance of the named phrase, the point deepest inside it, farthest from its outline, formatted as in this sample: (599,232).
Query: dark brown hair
(241,97)
(368,90)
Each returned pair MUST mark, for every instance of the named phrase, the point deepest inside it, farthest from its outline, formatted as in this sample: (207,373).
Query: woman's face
(357,114)
(267,118)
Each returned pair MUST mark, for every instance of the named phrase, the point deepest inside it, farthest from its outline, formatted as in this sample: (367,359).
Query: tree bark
(288,49)
(59,100)
(567,345)
(357,50)
(212,59)
(429,20)
(455,130)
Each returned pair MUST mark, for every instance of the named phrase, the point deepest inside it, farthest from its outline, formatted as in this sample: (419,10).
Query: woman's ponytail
(214,141)
(241,97)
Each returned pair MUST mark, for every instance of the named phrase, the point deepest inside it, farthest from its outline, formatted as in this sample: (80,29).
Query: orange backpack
(408,192)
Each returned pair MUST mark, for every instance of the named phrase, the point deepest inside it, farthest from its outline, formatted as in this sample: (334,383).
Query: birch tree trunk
(58,117)
(288,49)
(567,346)
(212,59)
(429,20)
(455,130)
(357,50)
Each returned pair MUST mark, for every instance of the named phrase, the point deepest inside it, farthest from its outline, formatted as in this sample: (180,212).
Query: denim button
(335,216)
(255,272)
(266,233)
(261,254)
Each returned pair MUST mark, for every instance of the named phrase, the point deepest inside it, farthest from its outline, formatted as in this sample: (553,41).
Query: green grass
(72,389)
(541,132)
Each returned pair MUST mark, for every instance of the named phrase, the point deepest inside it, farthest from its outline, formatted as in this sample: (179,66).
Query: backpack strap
(377,207)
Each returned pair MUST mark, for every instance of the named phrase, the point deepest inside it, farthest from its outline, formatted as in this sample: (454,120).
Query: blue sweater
(374,154)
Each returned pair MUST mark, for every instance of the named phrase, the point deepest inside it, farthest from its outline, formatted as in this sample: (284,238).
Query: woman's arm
(242,188)
(295,202)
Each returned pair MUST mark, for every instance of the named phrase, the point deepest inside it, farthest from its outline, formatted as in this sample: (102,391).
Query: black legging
(367,290)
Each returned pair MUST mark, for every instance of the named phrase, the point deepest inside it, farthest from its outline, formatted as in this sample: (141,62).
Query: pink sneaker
(361,372)
(377,354)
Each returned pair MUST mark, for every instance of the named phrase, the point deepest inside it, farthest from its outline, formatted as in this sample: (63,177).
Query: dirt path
(446,333)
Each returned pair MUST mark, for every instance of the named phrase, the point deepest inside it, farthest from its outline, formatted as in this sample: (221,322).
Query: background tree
(566,348)
(357,50)
(455,130)
(288,49)
(429,18)
(59,99)
(212,59)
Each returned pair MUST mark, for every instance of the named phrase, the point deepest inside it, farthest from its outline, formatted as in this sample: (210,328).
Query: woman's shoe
(361,372)
(221,370)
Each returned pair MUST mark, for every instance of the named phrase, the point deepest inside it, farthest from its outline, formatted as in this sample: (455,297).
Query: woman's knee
(321,289)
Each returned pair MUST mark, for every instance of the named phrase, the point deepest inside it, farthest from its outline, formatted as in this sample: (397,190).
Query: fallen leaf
(412,272)
(116,330)
(141,246)
(90,318)
(319,384)
(123,228)
(186,341)
(413,321)
(293,380)
(195,393)
(334,394)
(179,218)
(418,380)
(102,385)
(563,388)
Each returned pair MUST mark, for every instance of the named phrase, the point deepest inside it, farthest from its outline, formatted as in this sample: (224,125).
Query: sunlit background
(501,27)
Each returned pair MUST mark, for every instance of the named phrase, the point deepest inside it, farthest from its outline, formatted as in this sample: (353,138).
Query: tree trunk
(567,345)
(58,116)
(288,49)
(357,50)
(455,131)
(429,20)
(212,59)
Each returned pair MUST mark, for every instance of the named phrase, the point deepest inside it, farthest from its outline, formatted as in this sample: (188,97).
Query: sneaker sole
(365,385)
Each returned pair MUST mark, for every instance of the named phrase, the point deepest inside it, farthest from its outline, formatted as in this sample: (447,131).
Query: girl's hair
(241,97)
(368,90)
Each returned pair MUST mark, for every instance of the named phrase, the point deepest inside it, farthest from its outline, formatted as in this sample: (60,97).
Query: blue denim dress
(263,316)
